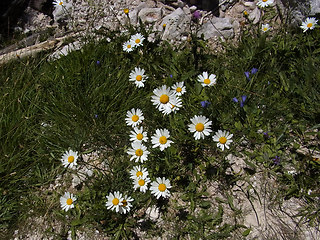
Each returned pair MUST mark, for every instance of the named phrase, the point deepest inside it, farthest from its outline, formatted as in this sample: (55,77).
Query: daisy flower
(162,97)
(114,201)
(179,88)
(138,151)
(58,3)
(128,46)
(200,126)
(138,135)
(264,3)
(207,80)
(160,139)
(125,204)
(138,172)
(138,77)
(174,105)
(134,117)
(309,23)
(159,188)
(265,27)
(69,159)
(137,39)
(67,201)
(223,139)
(141,183)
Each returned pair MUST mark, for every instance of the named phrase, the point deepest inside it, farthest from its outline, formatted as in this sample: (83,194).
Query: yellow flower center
(265,29)
(70,159)
(245,13)
(139,78)
(139,173)
(179,89)
(115,201)
(164,98)
(164,25)
(163,140)
(139,152)
(223,140)
(207,81)
(126,10)
(135,118)
(124,203)
(199,127)
(162,187)
(129,46)
(264,0)
(60,3)
(137,40)
(141,182)
(69,201)
(309,25)
(139,136)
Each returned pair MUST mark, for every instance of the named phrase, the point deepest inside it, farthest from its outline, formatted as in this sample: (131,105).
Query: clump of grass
(80,102)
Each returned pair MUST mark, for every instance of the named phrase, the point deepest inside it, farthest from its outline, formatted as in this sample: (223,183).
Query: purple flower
(254,70)
(243,99)
(205,103)
(98,62)
(247,74)
(276,160)
(171,75)
(197,14)
(266,134)
(96,116)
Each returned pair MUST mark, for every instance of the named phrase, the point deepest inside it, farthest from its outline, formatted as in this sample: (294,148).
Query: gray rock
(217,27)
(193,8)
(299,10)
(315,7)
(150,15)
(133,15)
(255,15)
(177,23)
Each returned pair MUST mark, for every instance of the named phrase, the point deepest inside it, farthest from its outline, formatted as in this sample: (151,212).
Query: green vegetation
(79,104)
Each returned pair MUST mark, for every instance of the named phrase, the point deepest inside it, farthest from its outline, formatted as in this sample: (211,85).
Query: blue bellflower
(205,103)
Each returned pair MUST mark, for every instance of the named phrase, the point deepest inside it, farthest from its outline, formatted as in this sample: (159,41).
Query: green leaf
(246,232)
(205,204)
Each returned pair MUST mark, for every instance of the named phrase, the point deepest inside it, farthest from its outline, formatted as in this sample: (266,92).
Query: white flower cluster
(134,42)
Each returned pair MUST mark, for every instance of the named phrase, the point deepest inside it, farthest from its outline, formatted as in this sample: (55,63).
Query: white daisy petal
(309,23)
(138,152)
(67,201)
(207,81)
(200,127)
(114,201)
(160,188)
(160,139)
(264,3)
(223,139)
(134,117)
(138,77)
(69,159)
(179,88)
(137,39)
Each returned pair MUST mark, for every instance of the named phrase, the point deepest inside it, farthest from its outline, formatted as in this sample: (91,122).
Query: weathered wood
(32,50)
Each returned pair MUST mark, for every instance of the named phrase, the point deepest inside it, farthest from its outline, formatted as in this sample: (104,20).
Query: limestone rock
(133,15)
(217,27)
(150,15)
(177,23)
(255,15)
